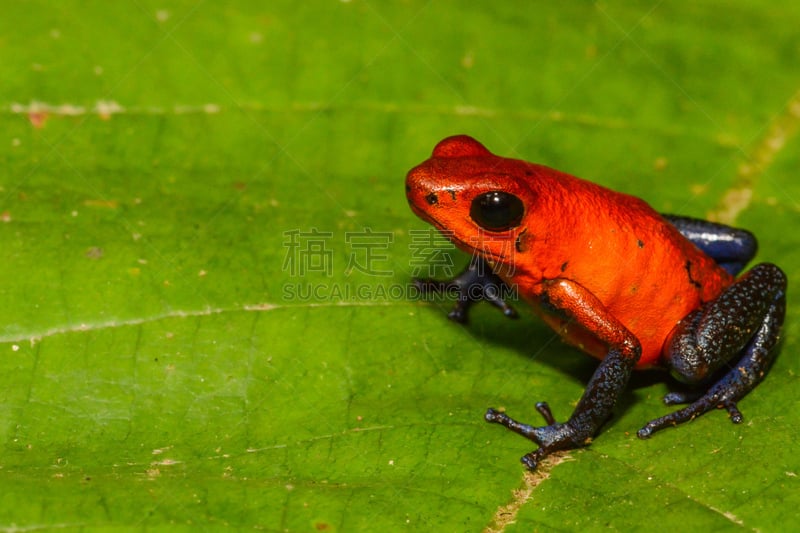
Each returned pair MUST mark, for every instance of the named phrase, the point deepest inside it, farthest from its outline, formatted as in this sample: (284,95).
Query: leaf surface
(195,334)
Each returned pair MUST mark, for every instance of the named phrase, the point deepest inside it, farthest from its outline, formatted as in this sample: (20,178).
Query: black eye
(497,211)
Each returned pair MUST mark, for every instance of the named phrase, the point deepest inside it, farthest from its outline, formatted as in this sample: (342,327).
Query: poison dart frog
(629,286)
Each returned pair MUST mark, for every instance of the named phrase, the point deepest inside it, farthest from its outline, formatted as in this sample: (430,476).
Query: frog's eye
(497,211)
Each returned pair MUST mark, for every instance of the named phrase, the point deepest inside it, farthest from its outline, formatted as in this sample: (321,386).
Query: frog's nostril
(431,198)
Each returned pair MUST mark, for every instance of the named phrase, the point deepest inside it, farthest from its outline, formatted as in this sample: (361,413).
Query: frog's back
(615,245)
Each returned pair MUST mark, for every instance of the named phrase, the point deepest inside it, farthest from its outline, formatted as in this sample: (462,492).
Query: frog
(632,287)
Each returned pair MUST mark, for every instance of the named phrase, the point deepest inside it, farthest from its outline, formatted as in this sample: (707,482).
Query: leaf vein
(36,336)
(778,132)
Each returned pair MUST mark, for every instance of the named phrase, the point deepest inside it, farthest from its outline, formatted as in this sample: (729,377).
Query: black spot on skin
(518,241)
(432,199)
(693,281)
(452,194)
(640,243)
(564,266)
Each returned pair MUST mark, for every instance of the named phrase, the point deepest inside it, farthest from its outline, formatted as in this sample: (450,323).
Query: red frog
(630,286)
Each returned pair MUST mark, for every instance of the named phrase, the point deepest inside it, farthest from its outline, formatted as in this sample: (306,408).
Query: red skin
(607,258)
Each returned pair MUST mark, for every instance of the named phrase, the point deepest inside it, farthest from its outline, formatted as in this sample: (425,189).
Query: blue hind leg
(736,334)
(731,248)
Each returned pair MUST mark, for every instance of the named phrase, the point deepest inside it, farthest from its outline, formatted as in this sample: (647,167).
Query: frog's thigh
(722,329)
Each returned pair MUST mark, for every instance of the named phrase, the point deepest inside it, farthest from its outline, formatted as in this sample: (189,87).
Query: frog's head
(475,198)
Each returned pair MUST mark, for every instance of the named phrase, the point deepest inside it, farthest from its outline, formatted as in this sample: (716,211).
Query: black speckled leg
(477,282)
(592,411)
(745,321)
(731,248)
(580,307)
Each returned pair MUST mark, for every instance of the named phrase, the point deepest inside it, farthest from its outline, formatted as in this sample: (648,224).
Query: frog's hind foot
(684,397)
(477,282)
(701,406)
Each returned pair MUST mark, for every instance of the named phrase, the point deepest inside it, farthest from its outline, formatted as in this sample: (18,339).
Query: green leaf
(172,356)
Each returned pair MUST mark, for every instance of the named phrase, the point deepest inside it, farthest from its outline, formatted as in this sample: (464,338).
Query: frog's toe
(677,398)
(531,460)
(499,417)
(734,413)
(492,291)
(460,311)
(672,419)
(544,410)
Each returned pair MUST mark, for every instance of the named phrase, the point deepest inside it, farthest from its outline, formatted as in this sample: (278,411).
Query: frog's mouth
(421,214)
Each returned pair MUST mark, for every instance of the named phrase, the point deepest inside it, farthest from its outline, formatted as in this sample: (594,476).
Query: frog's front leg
(475,283)
(744,322)
(580,306)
